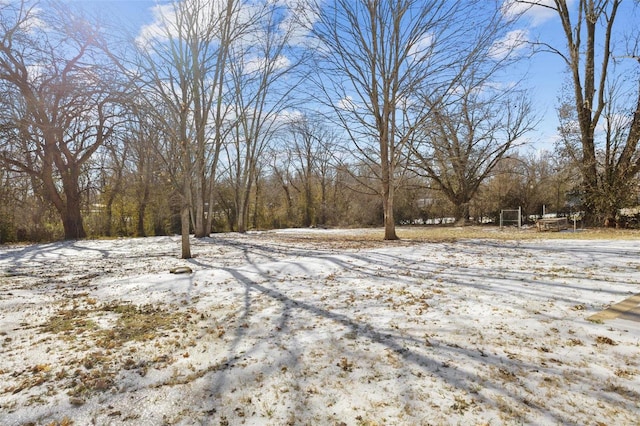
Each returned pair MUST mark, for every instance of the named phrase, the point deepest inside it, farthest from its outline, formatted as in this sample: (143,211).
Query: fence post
(519,217)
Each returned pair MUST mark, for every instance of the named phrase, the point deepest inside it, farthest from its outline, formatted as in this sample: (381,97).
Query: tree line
(234,115)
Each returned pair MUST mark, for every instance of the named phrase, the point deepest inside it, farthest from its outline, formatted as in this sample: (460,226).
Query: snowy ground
(319,328)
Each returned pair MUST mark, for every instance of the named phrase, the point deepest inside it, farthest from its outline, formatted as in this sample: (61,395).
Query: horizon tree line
(233,115)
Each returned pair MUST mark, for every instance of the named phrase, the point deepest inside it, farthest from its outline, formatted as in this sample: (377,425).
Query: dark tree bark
(62,103)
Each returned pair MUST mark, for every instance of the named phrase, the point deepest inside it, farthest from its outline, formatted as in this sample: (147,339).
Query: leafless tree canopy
(238,115)
(600,113)
(61,102)
(393,65)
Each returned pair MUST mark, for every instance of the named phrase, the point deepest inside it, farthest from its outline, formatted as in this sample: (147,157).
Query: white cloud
(614,122)
(296,25)
(259,64)
(538,13)
(289,116)
(167,23)
(422,47)
(347,104)
(28,17)
(512,42)
(157,30)
(35,23)
(36,71)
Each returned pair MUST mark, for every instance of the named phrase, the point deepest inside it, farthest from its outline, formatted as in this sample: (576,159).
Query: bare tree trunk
(108,209)
(256,205)
(242,213)
(387,163)
(462,213)
(289,201)
(323,202)
(72,220)
(387,205)
(308,204)
(69,207)
(210,207)
(116,186)
(142,208)
(185,221)
(240,204)
(140,232)
(198,199)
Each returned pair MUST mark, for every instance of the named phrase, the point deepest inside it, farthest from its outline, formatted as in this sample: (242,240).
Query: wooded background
(231,115)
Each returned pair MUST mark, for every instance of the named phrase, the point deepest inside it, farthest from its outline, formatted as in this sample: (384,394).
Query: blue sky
(546,73)
(136,12)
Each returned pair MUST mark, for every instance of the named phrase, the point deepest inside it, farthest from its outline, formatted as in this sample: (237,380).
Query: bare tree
(231,28)
(263,68)
(303,142)
(144,169)
(112,168)
(60,100)
(381,58)
(182,67)
(308,145)
(608,160)
(281,167)
(131,169)
(469,131)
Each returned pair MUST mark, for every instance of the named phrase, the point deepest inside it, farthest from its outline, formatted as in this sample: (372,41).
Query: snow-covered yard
(318,327)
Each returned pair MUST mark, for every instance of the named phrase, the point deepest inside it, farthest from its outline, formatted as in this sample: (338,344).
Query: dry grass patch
(445,234)
(139,323)
(132,323)
(69,322)
(373,237)
(99,346)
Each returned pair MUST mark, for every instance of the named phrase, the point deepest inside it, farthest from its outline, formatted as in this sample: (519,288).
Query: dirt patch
(102,341)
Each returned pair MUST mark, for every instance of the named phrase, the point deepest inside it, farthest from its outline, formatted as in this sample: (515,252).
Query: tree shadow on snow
(455,374)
